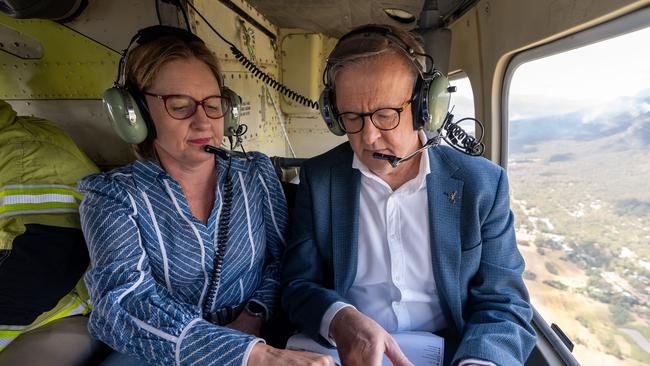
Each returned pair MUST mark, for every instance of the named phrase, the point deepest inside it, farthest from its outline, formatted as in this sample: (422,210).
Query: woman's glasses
(184,106)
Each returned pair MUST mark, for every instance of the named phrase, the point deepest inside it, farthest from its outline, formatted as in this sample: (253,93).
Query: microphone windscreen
(392,159)
(216,151)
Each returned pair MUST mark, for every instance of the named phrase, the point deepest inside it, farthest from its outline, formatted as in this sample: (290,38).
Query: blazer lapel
(445,196)
(345,183)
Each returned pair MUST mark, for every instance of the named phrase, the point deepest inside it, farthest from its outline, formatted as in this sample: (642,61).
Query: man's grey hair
(365,46)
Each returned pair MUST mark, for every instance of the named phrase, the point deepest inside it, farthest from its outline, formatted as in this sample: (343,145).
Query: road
(638,338)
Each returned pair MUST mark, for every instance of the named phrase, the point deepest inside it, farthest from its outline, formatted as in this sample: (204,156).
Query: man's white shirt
(394,283)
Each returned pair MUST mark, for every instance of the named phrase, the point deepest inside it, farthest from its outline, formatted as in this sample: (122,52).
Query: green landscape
(580,191)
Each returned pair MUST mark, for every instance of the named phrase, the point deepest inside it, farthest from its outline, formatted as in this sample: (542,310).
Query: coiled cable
(268,80)
(459,139)
(222,240)
(255,70)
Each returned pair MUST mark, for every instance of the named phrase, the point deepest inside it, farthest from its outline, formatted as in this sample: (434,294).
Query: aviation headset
(430,96)
(126,106)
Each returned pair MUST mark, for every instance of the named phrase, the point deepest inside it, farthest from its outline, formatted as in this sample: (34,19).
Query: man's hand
(261,354)
(362,342)
(247,323)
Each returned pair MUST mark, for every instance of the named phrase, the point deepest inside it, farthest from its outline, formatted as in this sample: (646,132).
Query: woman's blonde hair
(145,61)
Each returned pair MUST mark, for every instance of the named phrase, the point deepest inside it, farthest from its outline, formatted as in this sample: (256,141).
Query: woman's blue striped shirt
(152,260)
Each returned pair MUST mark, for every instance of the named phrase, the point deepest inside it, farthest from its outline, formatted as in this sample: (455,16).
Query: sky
(462,99)
(587,77)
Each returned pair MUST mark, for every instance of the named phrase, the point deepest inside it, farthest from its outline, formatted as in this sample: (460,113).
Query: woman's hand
(247,323)
(261,354)
(362,342)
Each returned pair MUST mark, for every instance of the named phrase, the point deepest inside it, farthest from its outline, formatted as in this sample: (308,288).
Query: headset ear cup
(231,119)
(328,111)
(418,105)
(125,115)
(438,98)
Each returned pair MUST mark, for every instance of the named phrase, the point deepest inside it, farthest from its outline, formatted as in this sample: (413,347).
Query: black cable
(247,17)
(208,24)
(178,4)
(158,11)
(268,80)
(460,140)
(255,70)
(241,130)
(187,21)
(222,239)
(239,142)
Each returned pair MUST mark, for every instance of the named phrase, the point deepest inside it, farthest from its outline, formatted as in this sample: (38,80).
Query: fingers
(313,360)
(329,361)
(262,354)
(302,358)
(395,354)
(375,357)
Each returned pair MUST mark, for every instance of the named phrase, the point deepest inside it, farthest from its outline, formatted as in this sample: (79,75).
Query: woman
(185,245)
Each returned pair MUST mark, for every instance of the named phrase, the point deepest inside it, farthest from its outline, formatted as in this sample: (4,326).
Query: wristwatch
(254,308)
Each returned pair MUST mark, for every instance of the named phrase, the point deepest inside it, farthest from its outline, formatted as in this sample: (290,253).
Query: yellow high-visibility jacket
(42,252)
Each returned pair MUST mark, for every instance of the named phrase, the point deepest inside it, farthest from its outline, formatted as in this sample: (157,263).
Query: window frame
(550,349)
(624,24)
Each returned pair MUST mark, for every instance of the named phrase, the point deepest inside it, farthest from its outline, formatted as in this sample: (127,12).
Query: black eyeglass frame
(164,98)
(399,111)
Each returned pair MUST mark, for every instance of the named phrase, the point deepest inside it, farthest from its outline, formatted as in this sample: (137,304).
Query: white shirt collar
(414,184)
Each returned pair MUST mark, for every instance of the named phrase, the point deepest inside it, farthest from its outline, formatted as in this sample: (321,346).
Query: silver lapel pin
(451,196)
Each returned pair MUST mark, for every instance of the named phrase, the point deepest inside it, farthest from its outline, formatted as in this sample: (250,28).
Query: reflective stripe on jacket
(22,199)
(39,169)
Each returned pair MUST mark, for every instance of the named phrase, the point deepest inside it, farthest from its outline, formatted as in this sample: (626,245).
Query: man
(42,251)
(427,245)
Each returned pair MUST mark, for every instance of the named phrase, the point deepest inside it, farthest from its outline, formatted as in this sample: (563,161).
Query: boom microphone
(453,134)
(222,153)
(394,161)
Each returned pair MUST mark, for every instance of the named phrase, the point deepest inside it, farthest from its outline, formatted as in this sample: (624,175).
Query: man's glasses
(384,119)
(184,106)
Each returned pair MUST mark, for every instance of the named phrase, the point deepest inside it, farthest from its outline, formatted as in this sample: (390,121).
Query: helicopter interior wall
(49,88)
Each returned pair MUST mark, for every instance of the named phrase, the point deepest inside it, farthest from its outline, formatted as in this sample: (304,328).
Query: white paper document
(421,348)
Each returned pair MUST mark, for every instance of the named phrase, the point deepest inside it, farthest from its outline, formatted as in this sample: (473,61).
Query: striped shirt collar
(148,172)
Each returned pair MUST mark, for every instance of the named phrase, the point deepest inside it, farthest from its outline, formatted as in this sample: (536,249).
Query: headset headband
(125,104)
(147,35)
(430,96)
(375,39)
